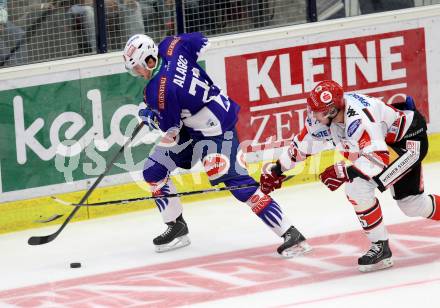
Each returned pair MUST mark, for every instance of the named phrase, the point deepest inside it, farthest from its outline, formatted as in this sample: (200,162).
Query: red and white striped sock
(372,222)
(435,207)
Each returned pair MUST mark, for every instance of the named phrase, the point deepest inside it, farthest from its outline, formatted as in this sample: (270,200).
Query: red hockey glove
(334,176)
(271,178)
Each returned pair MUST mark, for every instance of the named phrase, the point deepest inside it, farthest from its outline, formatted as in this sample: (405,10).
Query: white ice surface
(224,225)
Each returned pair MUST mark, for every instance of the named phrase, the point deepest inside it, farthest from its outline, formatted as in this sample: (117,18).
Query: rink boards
(63,119)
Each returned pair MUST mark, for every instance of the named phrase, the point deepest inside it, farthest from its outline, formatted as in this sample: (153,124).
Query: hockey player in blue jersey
(198,124)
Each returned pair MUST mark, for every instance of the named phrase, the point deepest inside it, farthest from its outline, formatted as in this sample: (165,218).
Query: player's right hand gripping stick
(271,177)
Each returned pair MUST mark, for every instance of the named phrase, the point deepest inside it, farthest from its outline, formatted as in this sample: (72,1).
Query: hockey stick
(39,240)
(49,219)
(179,194)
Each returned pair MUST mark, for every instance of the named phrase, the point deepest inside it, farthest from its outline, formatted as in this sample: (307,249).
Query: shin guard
(372,222)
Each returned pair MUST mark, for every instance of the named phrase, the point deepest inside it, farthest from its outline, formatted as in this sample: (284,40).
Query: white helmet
(137,51)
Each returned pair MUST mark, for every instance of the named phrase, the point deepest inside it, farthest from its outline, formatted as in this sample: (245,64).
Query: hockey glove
(271,178)
(149,117)
(334,176)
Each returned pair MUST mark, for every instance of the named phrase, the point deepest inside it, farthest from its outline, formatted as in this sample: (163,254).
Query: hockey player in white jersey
(362,128)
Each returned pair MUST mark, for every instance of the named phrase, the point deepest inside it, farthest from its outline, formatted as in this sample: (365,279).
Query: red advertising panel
(272,86)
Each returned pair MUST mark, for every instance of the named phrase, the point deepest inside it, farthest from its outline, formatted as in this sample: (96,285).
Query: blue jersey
(182,93)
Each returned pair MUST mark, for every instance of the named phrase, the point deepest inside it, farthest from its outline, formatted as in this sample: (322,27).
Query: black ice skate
(174,237)
(378,257)
(294,244)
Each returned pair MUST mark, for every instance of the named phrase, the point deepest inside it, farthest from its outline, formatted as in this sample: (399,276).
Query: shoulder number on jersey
(219,99)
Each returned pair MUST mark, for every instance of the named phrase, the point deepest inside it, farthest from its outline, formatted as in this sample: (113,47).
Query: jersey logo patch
(413,146)
(321,134)
(362,100)
(353,127)
(173,44)
(365,140)
(196,72)
(216,165)
(161,94)
(351,112)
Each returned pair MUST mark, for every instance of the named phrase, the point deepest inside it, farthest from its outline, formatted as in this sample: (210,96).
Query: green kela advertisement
(64,132)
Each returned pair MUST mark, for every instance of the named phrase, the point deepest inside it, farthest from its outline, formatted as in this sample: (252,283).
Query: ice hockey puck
(75,265)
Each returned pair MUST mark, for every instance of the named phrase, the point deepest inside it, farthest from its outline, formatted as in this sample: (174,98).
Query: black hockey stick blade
(40,240)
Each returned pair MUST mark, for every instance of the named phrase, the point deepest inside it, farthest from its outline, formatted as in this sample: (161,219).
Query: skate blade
(297,250)
(174,244)
(385,263)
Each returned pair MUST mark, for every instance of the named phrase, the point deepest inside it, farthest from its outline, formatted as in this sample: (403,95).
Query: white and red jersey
(369,125)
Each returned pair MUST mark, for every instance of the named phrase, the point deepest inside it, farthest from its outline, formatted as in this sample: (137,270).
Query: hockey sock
(372,222)
(435,207)
(169,208)
(269,212)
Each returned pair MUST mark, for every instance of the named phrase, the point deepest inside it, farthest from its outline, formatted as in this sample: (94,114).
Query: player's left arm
(372,155)
(302,146)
